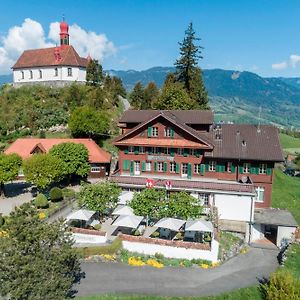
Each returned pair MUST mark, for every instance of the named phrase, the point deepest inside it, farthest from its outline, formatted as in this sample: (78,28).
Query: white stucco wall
(174,252)
(256,232)
(48,74)
(234,207)
(81,238)
(284,232)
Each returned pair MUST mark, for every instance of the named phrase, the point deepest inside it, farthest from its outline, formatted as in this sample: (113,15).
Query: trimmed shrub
(56,194)
(282,286)
(41,201)
(68,194)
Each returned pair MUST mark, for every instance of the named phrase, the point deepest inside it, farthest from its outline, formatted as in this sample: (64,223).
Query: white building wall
(81,238)
(48,74)
(174,252)
(256,232)
(234,207)
(284,232)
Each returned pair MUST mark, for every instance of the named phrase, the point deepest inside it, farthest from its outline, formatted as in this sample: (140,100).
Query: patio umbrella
(125,197)
(199,225)
(123,210)
(170,223)
(128,221)
(81,214)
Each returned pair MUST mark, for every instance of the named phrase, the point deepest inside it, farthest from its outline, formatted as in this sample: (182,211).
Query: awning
(125,197)
(81,214)
(170,223)
(123,210)
(199,225)
(128,221)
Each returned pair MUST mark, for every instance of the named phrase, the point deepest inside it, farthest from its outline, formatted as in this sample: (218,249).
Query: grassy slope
(286,193)
(288,141)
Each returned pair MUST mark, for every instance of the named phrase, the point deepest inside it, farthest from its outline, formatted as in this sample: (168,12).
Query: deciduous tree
(137,96)
(37,260)
(151,93)
(94,73)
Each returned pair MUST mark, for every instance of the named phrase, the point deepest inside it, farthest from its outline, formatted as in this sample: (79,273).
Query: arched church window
(41,74)
(31,74)
(22,74)
(55,72)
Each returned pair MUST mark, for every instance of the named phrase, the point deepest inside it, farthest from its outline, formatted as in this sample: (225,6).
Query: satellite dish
(244,179)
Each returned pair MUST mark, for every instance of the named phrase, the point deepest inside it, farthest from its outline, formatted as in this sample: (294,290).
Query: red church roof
(25,147)
(54,56)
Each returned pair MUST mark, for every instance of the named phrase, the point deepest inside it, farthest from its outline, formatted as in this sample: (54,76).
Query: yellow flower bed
(204,266)
(154,263)
(109,257)
(3,233)
(215,264)
(244,250)
(135,261)
(42,215)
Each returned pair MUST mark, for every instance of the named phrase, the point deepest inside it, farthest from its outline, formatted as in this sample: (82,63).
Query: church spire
(64,33)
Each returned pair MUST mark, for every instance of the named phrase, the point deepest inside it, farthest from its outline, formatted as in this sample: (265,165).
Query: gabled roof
(186,116)
(25,146)
(48,57)
(246,142)
(169,116)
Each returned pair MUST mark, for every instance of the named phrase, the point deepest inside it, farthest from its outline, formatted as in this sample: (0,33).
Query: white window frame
(262,169)
(130,149)
(204,199)
(168,131)
(167,151)
(55,72)
(192,152)
(259,191)
(154,150)
(212,166)
(184,169)
(70,72)
(148,166)
(142,149)
(95,169)
(154,131)
(229,167)
(246,168)
(180,151)
(172,167)
(197,168)
(160,166)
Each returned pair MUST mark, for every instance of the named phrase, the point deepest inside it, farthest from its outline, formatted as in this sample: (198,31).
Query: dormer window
(30,74)
(69,71)
(55,72)
(41,74)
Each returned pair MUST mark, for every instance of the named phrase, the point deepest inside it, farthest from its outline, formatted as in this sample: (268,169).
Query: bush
(179,236)
(282,286)
(136,233)
(155,234)
(41,201)
(55,194)
(97,226)
(2,220)
(68,194)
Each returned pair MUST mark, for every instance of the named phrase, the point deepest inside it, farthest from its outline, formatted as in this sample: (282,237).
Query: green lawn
(288,141)
(293,260)
(251,293)
(286,193)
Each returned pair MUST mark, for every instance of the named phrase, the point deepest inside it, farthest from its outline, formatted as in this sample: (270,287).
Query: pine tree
(151,93)
(94,73)
(187,70)
(137,96)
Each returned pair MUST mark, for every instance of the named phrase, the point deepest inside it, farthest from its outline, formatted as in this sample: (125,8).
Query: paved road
(241,271)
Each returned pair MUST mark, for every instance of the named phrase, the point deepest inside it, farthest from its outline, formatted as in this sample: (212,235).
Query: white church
(56,66)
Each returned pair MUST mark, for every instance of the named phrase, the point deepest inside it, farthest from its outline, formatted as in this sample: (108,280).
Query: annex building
(55,66)
(226,166)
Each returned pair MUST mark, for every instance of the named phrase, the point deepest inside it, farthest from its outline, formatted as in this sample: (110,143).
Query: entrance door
(137,170)
(271,233)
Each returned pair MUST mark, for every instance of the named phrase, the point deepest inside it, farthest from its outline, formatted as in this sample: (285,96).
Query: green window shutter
(155,166)
(172,132)
(257,170)
(177,168)
(218,168)
(189,175)
(136,150)
(158,150)
(269,171)
(172,151)
(149,131)
(206,167)
(165,167)
(233,168)
(252,170)
(126,150)
(197,152)
(223,168)
(149,150)
(202,169)
(125,164)
(185,152)
(143,166)
(241,169)
(131,168)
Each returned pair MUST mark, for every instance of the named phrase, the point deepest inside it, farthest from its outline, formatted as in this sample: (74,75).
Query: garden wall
(171,249)
(87,236)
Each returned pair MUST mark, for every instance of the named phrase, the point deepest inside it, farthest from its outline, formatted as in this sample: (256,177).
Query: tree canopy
(74,157)
(136,96)
(86,122)
(94,73)
(99,197)
(9,168)
(37,260)
(43,169)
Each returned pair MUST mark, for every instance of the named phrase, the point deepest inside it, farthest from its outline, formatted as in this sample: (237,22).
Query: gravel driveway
(241,271)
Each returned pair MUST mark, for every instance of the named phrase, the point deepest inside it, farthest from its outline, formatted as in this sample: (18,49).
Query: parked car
(289,172)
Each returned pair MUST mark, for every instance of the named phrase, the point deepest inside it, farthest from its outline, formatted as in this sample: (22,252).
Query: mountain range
(234,96)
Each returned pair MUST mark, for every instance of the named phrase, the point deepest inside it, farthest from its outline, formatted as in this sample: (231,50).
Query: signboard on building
(150,183)
(160,158)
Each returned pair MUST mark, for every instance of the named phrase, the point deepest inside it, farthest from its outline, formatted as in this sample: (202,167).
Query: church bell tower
(64,33)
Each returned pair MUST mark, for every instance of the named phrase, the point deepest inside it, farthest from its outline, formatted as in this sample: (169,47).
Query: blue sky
(244,35)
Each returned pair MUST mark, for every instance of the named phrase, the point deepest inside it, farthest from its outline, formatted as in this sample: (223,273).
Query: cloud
(280,66)
(294,59)
(31,35)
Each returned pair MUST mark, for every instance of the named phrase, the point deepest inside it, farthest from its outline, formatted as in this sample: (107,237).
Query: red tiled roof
(47,57)
(24,147)
(185,184)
